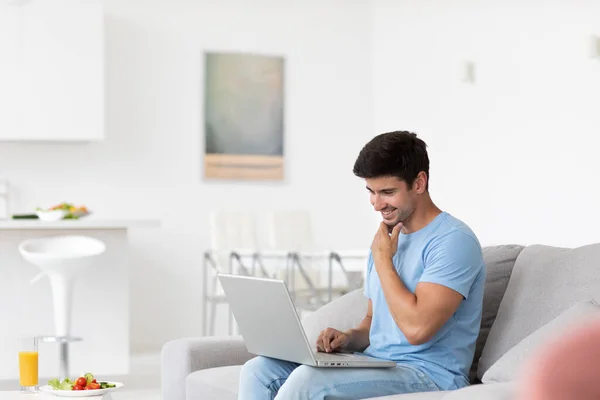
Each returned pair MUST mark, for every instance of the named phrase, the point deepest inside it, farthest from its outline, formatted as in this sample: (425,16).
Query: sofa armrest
(181,357)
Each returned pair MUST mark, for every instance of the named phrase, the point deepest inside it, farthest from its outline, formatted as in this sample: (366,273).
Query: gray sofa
(532,293)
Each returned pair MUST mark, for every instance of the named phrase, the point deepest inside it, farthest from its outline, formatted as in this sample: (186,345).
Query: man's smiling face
(392,198)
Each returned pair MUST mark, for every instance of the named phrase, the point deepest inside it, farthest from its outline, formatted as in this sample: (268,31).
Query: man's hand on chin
(384,244)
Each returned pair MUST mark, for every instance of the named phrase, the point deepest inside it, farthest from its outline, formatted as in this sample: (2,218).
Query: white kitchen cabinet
(51,70)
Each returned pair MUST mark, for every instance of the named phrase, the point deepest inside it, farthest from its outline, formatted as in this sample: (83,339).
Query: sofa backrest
(545,282)
(499,262)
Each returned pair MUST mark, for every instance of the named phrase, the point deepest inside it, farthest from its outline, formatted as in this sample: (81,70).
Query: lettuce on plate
(66,384)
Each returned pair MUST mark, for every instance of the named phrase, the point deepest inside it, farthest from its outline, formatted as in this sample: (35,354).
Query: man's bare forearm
(359,336)
(402,303)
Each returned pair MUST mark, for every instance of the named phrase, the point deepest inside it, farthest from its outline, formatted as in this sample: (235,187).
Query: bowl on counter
(51,215)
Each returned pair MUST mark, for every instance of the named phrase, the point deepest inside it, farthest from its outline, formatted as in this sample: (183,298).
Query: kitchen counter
(100,314)
(70,224)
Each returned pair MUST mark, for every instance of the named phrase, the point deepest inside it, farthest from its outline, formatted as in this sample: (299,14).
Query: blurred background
(505,94)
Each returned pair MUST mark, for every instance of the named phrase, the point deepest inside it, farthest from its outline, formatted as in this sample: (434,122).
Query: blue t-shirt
(448,253)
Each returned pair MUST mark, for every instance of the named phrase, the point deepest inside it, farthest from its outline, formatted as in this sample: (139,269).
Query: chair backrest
(290,230)
(229,231)
(232,230)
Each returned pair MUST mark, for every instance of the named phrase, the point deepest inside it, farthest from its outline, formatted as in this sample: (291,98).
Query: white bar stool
(62,259)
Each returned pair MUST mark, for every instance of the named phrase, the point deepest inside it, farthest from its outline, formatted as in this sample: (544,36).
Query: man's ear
(420,183)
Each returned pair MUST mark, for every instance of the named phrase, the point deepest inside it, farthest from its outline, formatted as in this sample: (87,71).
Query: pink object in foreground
(567,368)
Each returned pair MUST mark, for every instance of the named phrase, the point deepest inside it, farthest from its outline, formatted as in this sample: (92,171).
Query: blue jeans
(264,378)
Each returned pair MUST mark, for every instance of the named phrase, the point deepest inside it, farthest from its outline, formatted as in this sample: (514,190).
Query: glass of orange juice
(28,364)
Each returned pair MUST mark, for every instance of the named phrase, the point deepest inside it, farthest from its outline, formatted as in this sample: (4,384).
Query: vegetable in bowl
(84,382)
(70,210)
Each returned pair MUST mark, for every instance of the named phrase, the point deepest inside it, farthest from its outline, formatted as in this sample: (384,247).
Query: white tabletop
(17,395)
(73,224)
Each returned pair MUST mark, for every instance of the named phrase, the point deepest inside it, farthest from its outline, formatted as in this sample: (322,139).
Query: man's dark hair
(399,153)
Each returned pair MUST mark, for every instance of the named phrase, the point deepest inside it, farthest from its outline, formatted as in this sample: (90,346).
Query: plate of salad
(63,210)
(85,385)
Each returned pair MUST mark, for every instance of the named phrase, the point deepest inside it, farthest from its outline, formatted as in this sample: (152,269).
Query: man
(425,282)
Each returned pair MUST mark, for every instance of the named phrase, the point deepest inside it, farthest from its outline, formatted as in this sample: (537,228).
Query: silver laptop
(269,324)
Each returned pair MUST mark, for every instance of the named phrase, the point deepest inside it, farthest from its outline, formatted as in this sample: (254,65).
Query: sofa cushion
(342,313)
(499,262)
(413,396)
(215,383)
(509,366)
(493,391)
(545,281)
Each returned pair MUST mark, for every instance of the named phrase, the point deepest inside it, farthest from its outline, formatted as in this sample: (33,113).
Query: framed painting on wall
(243,116)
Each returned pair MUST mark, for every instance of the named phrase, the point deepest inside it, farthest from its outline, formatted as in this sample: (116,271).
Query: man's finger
(383,227)
(322,339)
(320,347)
(336,342)
(327,339)
(327,343)
(396,230)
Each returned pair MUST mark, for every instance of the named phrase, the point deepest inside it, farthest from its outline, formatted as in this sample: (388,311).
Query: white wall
(514,155)
(150,163)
